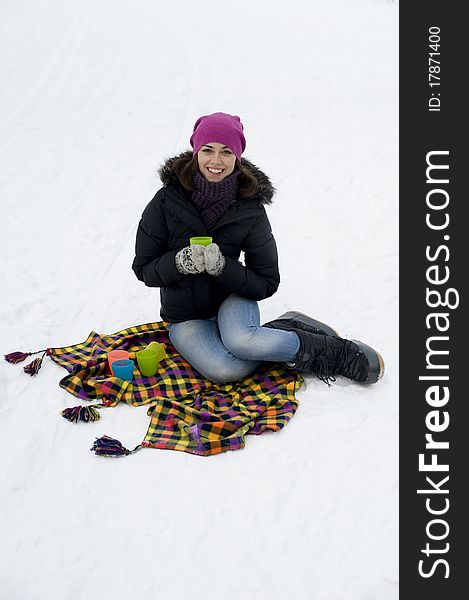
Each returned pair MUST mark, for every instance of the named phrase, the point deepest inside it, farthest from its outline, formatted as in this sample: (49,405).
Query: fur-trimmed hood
(264,195)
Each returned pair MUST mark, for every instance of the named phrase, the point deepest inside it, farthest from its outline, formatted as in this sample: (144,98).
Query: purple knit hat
(219,127)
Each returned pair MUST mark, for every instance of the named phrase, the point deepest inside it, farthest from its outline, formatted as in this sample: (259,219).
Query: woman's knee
(240,342)
(197,342)
(186,333)
(226,372)
(238,323)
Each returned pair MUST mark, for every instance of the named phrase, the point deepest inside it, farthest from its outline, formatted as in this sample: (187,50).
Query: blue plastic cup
(123,369)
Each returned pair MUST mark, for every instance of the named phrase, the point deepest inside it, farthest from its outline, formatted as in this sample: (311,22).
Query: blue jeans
(233,344)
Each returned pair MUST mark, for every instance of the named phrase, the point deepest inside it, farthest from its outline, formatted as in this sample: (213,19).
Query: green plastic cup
(158,348)
(200,241)
(147,362)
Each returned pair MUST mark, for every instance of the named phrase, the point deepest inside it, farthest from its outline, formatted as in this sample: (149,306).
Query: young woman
(208,297)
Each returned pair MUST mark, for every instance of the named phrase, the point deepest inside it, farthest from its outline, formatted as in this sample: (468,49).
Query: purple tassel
(17,357)
(82,413)
(35,365)
(108,446)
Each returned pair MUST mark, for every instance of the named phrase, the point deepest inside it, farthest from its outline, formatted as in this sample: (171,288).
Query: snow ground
(95,95)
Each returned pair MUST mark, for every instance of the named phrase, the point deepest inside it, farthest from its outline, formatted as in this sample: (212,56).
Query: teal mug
(124,369)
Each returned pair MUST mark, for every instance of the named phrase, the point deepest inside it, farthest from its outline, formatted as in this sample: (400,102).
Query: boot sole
(375,360)
(309,321)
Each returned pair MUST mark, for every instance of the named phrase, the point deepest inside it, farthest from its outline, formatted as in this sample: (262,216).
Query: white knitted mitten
(190,260)
(214,260)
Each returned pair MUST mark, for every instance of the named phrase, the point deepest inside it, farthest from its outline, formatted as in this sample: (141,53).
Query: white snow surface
(95,95)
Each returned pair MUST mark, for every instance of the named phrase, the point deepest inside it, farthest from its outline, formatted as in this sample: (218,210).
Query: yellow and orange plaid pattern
(188,412)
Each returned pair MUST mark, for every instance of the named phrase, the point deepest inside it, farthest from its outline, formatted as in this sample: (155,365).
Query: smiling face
(215,161)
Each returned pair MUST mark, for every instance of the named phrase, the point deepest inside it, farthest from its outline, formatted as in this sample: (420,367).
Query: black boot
(327,356)
(294,321)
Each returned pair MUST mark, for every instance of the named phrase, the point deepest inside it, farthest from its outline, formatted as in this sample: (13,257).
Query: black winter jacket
(168,222)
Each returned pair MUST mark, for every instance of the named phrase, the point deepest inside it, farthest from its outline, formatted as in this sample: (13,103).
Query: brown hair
(185,166)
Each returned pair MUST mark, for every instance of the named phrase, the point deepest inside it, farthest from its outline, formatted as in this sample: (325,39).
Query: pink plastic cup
(116,355)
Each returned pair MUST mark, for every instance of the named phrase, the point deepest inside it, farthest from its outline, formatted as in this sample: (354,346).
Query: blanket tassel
(108,446)
(17,357)
(82,413)
(35,365)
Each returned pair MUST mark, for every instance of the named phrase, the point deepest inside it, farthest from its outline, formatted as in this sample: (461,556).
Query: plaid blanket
(187,412)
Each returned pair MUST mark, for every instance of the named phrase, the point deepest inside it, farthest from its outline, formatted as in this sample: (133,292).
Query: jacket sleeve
(259,278)
(153,263)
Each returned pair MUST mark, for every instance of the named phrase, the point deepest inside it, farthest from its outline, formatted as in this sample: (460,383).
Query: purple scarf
(212,199)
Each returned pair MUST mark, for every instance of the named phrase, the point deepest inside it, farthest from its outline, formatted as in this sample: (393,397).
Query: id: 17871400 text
(434,69)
